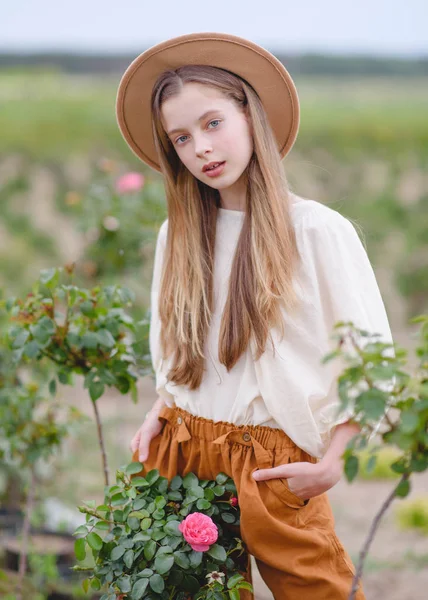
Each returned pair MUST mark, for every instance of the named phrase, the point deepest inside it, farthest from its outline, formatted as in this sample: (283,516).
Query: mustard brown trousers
(293,541)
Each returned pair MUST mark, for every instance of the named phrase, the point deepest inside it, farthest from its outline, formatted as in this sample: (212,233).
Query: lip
(213,162)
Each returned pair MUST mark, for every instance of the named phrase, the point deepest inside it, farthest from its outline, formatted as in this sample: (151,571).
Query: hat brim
(263,71)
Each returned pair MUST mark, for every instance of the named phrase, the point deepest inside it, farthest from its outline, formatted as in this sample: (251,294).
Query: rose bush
(163,539)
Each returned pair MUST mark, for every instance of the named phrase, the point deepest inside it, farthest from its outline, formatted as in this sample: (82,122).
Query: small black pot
(11,520)
(62,546)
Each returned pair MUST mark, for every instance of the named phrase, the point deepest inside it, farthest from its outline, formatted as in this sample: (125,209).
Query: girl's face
(206,127)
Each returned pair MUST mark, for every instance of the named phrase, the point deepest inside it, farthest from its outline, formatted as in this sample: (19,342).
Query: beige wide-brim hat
(257,66)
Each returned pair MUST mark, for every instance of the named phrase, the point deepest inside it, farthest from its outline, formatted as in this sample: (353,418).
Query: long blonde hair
(266,254)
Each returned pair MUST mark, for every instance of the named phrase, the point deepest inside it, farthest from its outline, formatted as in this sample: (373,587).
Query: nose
(202,146)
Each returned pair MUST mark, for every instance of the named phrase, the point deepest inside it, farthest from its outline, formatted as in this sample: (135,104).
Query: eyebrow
(201,118)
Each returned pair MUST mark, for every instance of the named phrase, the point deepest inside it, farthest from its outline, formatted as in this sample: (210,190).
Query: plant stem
(25,535)
(101,442)
(370,536)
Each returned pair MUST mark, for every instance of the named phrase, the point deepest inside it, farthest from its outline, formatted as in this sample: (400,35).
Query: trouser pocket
(279,486)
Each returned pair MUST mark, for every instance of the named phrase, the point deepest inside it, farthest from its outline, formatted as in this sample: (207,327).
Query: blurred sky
(382,27)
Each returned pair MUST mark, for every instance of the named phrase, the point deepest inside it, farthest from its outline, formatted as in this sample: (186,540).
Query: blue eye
(177,141)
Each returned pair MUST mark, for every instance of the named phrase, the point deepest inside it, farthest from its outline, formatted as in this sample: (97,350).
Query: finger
(274,473)
(135,442)
(143,450)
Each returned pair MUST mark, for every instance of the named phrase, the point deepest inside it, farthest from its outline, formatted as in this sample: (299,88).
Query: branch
(371,534)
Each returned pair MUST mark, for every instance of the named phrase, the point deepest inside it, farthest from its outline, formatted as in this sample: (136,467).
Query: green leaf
(190,480)
(409,422)
(160,502)
(182,559)
(128,558)
(234,580)
(32,349)
(203,504)
(372,403)
(171,528)
(124,583)
(89,340)
(176,496)
(245,585)
(351,467)
(139,481)
(85,585)
(133,468)
(164,563)
(234,595)
(228,517)
(133,523)
(152,476)
(222,478)
(102,525)
(96,390)
(95,584)
(95,542)
(139,588)
(21,338)
(157,583)
(217,552)
(176,483)
(139,503)
(219,490)
(191,584)
(47,275)
(209,494)
(371,463)
(402,489)
(149,550)
(52,387)
(195,558)
(80,549)
(105,338)
(117,552)
(145,523)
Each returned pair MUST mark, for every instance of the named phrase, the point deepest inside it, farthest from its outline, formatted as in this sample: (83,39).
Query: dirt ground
(396,568)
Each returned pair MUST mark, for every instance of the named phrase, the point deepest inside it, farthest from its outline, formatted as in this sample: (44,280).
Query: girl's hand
(306,480)
(150,428)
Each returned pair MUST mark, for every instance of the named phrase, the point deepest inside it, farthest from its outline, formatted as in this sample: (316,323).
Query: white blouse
(288,387)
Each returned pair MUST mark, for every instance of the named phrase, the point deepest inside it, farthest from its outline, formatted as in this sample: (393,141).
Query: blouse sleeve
(154,334)
(344,288)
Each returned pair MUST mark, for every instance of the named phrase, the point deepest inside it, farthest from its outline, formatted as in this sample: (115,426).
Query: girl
(249,280)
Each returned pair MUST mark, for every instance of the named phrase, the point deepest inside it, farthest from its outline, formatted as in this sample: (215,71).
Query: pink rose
(234,501)
(130,182)
(199,531)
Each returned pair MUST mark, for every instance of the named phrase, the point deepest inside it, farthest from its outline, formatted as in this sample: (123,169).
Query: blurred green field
(52,115)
